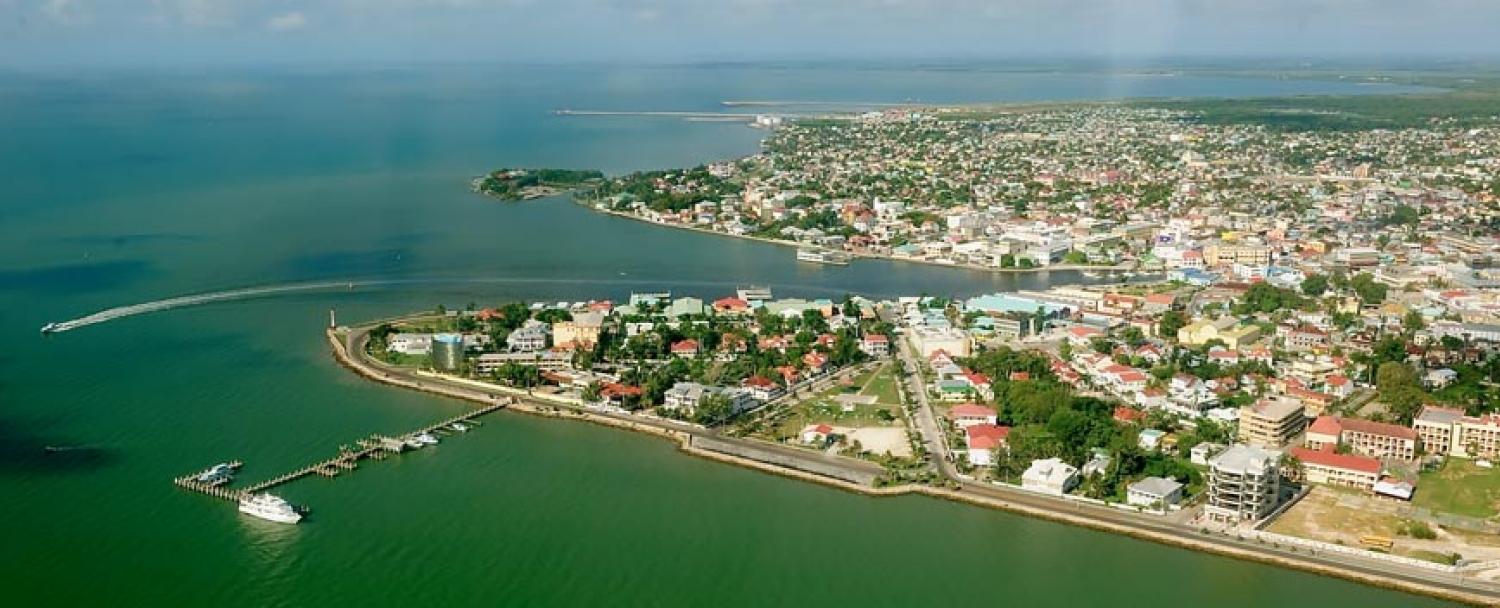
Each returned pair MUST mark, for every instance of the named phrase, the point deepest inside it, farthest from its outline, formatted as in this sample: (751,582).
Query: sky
(41,33)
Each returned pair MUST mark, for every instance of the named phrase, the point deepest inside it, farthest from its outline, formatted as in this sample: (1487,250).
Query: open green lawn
(883,386)
(1460,488)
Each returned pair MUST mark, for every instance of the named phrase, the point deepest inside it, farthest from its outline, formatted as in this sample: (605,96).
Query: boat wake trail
(121,312)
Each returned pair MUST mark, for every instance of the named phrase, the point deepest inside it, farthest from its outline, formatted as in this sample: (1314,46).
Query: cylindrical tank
(447,352)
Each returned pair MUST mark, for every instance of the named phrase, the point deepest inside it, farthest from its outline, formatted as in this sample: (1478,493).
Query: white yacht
(459,426)
(822,256)
(218,474)
(427,439)
(270,507)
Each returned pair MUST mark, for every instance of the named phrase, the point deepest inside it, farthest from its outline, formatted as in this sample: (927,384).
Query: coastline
(973,494)
(859,255)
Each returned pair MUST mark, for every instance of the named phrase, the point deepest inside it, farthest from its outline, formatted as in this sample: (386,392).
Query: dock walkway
(374,447)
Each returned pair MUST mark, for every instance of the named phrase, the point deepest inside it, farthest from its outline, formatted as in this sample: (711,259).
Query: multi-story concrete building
(1449,432)
(1435,426)
(1271,422)
(1328,467)
(1244,484)
(1367,437)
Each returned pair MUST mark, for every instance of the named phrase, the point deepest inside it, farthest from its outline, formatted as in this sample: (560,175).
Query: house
(1307,337)
(731,306)
(409,344)
(776,343)
(1098,463)
(982,441)
(530,337)
(685,348)
(615,393)
(816,433)
(875,345)
(762,388)
(953,390)
(977,381)
(816,363)
(1050,476)
(1128,415)
(1158,303)
(970,414)
(1201,331)
(685,397)
(1200,454)
(1439,378)
(1338,385)
(582,330)
(1153,492)
(1328,467)
(1150,397)
(1080,335)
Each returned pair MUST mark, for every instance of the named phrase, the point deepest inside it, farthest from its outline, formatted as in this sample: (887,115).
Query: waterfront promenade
(348,349)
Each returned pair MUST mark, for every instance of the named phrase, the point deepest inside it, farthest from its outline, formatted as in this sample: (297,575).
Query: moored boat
(270,508)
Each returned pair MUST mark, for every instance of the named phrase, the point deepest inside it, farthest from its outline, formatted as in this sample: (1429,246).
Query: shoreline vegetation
(1454,98)
(512,184)
(340,341)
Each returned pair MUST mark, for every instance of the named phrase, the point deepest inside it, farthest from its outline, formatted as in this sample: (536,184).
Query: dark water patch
(126,240)
(23,451)
(73,278)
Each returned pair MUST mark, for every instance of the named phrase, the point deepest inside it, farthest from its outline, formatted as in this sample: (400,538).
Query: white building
(1154,492)
(686,396)
(410,344)
(1050,476)
(529,338)
(1244,483)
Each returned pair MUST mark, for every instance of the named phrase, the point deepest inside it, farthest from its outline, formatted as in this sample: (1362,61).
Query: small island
(527,184)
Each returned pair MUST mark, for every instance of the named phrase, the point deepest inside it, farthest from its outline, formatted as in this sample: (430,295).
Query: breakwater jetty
(374,447)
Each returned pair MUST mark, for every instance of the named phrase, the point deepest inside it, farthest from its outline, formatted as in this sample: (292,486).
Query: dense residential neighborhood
(1300,348)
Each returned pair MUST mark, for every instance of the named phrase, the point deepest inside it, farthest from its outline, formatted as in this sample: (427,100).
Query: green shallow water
(122,195)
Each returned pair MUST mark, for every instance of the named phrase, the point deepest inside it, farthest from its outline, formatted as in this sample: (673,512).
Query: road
(1155,526)
(1005,497)
(353,345)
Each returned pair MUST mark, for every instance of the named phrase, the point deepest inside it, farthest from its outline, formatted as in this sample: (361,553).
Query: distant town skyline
(203,32)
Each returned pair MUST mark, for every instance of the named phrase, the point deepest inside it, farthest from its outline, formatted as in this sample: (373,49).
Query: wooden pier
(375,447)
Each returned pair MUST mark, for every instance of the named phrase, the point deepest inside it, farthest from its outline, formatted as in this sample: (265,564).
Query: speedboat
(459,426)
(217,474)
(270,508)
(49,328)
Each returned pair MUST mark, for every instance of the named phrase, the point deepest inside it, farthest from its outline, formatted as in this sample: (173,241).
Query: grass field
(883,386)
(1460,488)
(824,407)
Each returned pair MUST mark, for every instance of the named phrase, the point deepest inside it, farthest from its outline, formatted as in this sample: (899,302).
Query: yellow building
(1200,332)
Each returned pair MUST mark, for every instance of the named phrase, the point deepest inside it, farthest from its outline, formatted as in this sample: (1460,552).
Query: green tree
(1367,289)
(1170,322)
(591,393)
(713,409)
(1315,285)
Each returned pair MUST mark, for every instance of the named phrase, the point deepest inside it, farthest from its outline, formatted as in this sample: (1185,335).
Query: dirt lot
(879,440)
(1338,515)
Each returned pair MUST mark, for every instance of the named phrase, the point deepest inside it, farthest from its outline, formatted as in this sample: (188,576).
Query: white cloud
(195,13)
(287,22)
(66,12)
